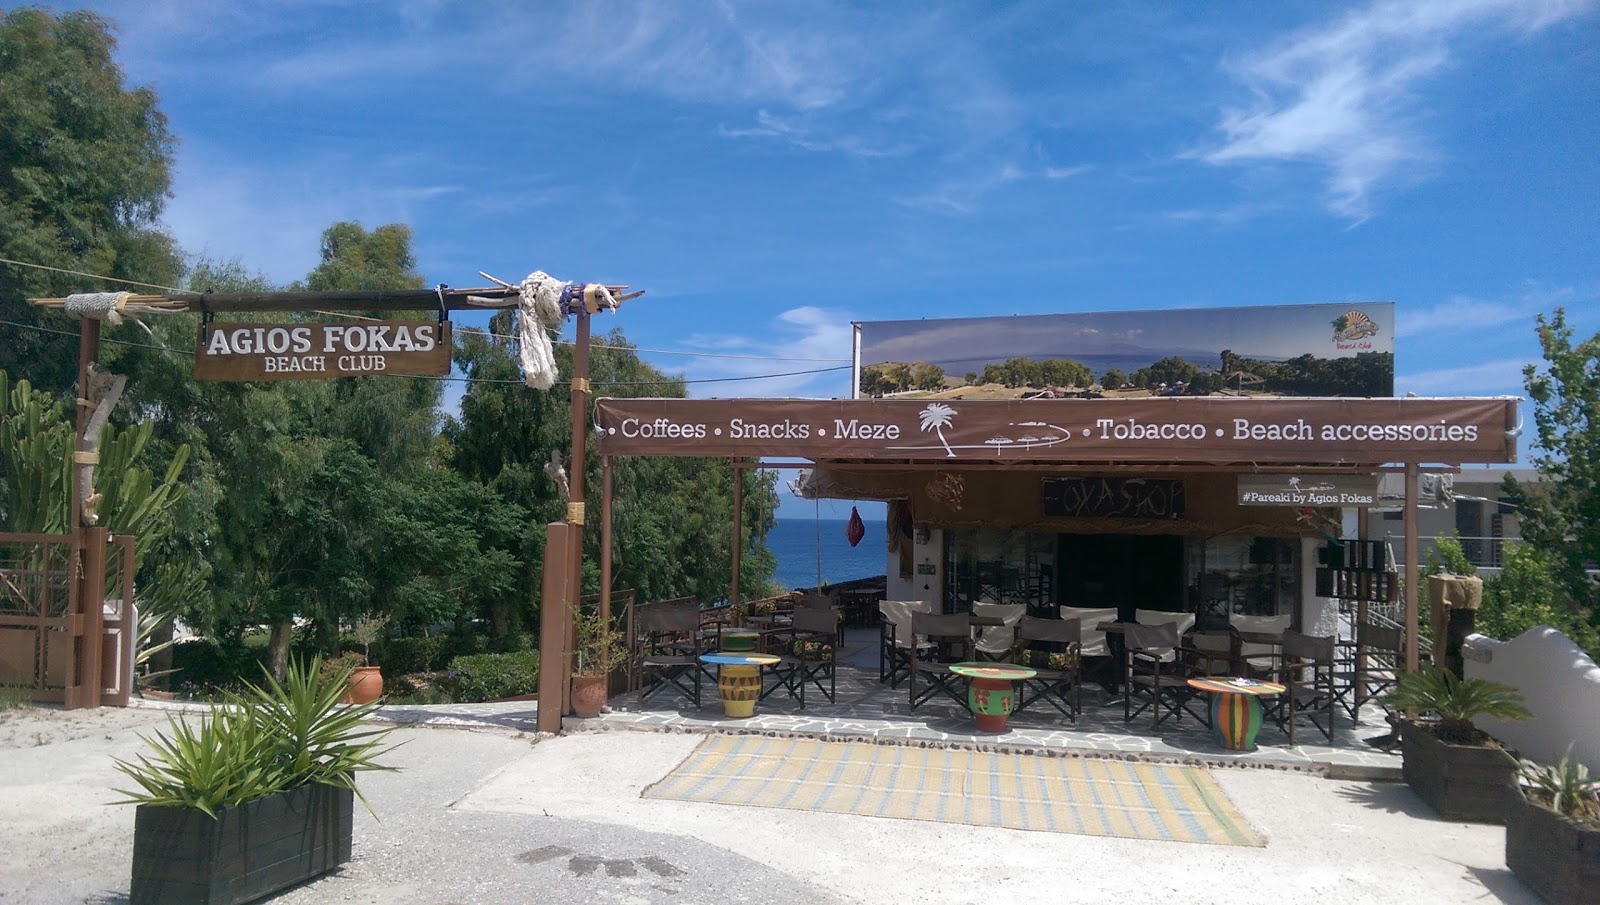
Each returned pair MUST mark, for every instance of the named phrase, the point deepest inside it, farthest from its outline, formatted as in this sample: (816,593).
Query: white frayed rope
(545,302)
(541,310)
(102,306)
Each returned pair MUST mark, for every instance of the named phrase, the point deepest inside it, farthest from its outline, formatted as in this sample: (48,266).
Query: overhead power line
(359,317)
(614,383)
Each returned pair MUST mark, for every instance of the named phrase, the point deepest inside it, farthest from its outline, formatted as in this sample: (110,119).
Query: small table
(1236,708)
(991,696)
(739,680)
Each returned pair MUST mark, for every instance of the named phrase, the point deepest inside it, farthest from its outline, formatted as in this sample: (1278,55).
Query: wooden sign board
(1307,490)
(312,351)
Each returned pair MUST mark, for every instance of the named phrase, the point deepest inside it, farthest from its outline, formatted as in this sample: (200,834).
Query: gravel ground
(499,817)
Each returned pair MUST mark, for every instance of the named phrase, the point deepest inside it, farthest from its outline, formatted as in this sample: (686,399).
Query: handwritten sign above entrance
(312,351)
(1112,498)
(1307,490)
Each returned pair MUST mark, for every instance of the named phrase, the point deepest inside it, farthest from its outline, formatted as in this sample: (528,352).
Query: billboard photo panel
(1333,349)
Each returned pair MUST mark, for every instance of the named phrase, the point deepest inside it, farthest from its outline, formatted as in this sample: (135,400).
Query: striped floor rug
(1025,792)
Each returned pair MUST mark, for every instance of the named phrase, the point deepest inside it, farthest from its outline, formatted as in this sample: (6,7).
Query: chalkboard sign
(1142,498)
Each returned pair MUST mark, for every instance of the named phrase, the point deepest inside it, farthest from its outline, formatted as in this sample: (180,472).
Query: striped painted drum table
(739,680)
(991,696)
(1236,708)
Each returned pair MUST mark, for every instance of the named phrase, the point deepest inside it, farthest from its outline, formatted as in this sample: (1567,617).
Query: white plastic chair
(1260,657)
(1183,621)
(994,641)
(895,640)
(1093,643)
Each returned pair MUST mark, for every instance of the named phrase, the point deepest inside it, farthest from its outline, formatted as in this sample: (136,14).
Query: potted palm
(1458,769)
(256,797)
(601,649)
(366,680)
(1553,831)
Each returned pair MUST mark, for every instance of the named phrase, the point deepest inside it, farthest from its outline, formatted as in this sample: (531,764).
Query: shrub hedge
(486,677)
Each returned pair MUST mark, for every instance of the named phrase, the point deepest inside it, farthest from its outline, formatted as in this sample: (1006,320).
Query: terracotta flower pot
(588,695)
(366,686)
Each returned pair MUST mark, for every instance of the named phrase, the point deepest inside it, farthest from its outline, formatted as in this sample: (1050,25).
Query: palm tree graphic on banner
(936,417)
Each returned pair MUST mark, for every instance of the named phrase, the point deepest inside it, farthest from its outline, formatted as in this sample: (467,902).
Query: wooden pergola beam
(481,299)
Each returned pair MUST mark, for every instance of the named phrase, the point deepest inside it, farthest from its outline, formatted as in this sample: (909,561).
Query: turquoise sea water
(795,543)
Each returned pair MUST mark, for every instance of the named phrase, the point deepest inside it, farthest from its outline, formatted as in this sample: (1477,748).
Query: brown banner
(312,351)
(1213,429)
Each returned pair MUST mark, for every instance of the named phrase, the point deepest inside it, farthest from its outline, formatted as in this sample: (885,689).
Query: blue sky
(771,172)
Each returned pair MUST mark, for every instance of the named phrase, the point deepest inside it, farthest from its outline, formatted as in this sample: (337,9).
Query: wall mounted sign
(312,351)
(1307,490)
(963,433)
(1112,498)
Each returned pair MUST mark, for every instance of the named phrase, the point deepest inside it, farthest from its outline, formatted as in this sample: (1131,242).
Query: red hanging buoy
(855,530)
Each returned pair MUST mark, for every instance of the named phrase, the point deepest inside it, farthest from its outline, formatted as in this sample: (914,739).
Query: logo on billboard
(1353,325)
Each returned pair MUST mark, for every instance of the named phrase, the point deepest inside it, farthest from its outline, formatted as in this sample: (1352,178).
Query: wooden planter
(1472,783)
(1555,857)
(180,855)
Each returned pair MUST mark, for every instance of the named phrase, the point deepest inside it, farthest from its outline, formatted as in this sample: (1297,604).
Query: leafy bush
(205,664)
(403,656)
(341,665)
(274,737)
(1456,702)
(486,677)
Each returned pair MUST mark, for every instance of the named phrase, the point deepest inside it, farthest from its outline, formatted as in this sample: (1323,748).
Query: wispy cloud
(1464,313)
(806,332)
(1342,95)
(1501,377)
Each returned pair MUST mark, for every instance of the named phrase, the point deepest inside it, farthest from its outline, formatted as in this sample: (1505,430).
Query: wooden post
(1411,568)
(738,528)
(575,497)
(1362,614)
(605,539)
(555,605)
(89,543)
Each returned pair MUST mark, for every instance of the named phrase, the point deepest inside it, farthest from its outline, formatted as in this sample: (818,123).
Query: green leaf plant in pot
(1553,831)
(1459,770)
(253,797)
(601,649)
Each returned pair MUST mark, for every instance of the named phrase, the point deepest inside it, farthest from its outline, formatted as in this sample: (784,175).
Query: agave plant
(266,739)
(1564,787)
(1456,702)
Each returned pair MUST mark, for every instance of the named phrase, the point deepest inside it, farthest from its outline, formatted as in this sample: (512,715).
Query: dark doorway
(1128,571)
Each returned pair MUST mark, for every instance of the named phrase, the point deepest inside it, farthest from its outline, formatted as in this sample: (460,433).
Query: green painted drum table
(1236,708)
(739,640)
(991,695)
(739,680)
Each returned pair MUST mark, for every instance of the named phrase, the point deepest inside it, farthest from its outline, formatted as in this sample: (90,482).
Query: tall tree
(1561,514)
(85,167)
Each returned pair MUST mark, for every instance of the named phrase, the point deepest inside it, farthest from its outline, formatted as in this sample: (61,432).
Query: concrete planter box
(1555,857)
(180,855)
(1471,783)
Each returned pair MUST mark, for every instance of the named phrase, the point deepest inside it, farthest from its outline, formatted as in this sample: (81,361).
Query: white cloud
(1340,95)
(1464,313)
(806,332)
(1501,377)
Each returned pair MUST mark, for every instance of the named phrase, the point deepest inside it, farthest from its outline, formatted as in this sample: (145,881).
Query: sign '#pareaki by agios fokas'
(311,351)
(1307,490)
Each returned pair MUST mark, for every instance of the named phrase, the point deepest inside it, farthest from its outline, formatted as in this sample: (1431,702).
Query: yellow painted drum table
(1236,708)
(739,680)
(991,696)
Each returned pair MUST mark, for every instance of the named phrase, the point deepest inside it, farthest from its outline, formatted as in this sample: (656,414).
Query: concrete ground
(493,815)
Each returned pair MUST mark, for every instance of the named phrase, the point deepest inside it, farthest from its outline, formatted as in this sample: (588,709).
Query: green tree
(927,376)
(1113,378)
(85,167)
(1561,514)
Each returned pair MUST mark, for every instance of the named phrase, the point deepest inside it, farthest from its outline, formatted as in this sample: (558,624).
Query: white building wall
(1559,683)
(928,551)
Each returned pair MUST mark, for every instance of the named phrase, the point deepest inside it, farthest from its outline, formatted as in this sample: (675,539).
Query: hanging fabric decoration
(855,530)
(544,302)
(947,489)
